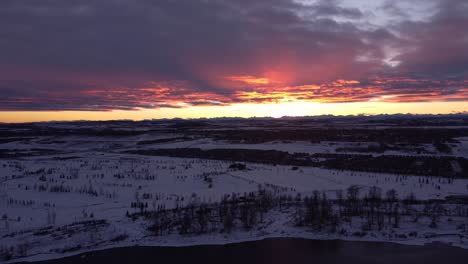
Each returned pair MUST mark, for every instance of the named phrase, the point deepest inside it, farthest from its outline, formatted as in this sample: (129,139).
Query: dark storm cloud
(439,47)
(331,8)
(116,54)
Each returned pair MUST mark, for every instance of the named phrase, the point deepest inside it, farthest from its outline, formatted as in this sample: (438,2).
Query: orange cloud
(249,79)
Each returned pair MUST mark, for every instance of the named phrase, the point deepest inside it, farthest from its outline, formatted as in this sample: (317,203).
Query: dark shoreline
(275,250)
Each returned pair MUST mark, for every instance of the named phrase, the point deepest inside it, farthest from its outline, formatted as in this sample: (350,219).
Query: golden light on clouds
(249,79)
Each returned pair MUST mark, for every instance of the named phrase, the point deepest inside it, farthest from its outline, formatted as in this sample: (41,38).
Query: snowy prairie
(65,194)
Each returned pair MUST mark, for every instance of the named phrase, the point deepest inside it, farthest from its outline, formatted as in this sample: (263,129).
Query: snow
(93,165)
(291,147)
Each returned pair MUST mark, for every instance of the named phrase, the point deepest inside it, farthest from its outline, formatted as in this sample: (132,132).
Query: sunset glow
(243,110)
(249,80)
(254,58)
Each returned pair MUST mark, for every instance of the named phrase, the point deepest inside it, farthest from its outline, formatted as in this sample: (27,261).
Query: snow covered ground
(296,146)
(78,200)
(102,186)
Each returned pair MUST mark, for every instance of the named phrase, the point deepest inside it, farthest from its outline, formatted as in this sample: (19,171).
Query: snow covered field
(102,186)
(78,195)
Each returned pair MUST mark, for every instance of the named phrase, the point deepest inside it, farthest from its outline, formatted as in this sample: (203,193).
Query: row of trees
(375,211)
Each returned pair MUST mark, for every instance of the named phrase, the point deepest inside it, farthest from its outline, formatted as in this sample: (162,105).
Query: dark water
(278,250)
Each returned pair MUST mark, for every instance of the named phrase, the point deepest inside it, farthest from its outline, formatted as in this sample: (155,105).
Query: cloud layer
(118,54)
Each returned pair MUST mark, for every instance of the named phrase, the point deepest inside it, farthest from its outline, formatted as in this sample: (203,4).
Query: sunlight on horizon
(245,110)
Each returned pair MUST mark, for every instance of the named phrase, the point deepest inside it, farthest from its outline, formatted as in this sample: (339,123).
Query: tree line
(372,210)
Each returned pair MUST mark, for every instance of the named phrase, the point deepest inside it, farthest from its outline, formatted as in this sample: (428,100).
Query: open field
(72,187)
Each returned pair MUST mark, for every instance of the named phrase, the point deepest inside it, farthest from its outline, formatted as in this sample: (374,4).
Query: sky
(141,59)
